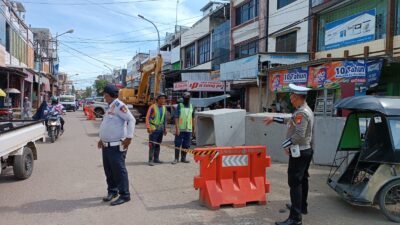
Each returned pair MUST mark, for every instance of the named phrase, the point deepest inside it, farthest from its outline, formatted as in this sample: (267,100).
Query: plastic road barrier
(232,176)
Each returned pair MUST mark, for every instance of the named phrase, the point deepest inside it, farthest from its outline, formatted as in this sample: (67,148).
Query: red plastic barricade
(232,176)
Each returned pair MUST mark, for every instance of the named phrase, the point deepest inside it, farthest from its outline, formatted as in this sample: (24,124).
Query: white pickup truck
(18,146)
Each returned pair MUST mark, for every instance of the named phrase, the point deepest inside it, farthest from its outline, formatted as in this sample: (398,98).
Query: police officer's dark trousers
(182,141)
(115,170)
(298,183)
(154,148)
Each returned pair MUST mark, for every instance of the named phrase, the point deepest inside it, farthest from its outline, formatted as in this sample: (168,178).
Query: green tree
(88,92)
(99,85)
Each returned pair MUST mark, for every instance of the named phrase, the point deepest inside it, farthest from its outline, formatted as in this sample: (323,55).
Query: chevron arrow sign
(235,160)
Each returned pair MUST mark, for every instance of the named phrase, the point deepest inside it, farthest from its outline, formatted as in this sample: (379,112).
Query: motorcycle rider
(55,105)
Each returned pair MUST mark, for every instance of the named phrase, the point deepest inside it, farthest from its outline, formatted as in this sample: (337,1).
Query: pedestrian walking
(116,133)
(156,123)
(27,109)
(184,128)
(298,147)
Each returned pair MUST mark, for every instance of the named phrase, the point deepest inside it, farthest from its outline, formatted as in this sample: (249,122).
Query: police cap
(112,90)
(161,95)
(295,89)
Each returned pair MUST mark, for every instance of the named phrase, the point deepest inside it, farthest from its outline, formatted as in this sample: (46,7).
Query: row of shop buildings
(257,47)
(28,59)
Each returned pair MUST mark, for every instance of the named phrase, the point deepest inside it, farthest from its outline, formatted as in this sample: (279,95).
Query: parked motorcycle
(53,125)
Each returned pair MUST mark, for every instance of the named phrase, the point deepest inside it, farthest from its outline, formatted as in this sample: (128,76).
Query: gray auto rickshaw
(366,168)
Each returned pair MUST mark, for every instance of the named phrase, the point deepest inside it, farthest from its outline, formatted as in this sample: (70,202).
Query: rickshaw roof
(389,106)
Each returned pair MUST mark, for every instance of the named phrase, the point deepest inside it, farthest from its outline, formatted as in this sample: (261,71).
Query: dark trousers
(115,170)
(298,183)
(154,149)
(183,140)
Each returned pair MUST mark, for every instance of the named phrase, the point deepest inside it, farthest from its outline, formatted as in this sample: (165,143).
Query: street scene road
(68,183)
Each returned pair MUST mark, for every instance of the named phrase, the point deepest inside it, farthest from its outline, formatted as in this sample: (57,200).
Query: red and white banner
(207,86)
(181,86)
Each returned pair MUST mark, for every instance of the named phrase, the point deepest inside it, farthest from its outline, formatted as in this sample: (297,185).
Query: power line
(91,3)
(82,53)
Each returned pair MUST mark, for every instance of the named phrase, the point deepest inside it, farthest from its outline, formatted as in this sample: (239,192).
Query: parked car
(68,101)
(18,148)
(99,108)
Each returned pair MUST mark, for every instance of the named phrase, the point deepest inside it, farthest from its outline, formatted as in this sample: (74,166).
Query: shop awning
(12,71)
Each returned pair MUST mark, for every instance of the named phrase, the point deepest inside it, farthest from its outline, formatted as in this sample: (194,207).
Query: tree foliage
(99,85)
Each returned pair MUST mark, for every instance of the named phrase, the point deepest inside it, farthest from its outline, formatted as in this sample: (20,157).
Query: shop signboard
(351,30)
(181,86)
(280,80)
(374,68)
(203,86)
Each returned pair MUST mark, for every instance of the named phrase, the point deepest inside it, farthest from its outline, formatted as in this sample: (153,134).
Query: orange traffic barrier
(91,115)
(232,176)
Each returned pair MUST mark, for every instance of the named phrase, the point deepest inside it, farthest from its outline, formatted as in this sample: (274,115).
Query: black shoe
(303,211)
(109,197)
(151,163)
(185,161)
(158,161)
(120,201)
(289,222)
(175,162)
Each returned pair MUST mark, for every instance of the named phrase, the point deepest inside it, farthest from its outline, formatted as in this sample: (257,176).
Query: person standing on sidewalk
(184,125)
(27,109)
(298,147)
(156,123)
(116,133)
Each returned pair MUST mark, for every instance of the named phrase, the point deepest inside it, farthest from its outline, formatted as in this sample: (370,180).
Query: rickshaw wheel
(389,200)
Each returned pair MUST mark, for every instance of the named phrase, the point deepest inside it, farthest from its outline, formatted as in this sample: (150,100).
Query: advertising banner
(279,81)
(331,75)
(351,30)
(364,73)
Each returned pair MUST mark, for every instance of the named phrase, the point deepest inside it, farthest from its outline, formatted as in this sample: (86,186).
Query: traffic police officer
(156,123)
(116,133)
(298,147)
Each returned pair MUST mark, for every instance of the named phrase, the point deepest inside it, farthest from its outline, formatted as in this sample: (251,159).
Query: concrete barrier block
(271,136)
(327,133)
(222,127)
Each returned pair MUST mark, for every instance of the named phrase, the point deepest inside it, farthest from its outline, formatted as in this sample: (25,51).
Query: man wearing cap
(116,133)
(184,128)
(298,147)
(156,123)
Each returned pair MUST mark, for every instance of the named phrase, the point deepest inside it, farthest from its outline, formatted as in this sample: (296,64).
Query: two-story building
(354,48)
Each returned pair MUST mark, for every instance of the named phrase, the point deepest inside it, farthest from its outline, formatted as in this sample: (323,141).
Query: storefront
(330,81)
(12,81)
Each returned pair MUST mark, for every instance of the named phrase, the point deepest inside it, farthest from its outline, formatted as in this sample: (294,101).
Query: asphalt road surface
(68,183)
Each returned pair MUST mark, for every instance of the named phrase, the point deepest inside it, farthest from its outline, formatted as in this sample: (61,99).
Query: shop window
(247,11)
(287,42)
(204,50)
(190,56)
(283,3)
(248,49)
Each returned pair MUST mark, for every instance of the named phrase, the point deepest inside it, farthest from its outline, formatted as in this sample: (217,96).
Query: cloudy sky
(106,31)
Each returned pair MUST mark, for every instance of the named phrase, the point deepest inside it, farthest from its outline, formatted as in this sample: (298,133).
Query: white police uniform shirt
(118,123)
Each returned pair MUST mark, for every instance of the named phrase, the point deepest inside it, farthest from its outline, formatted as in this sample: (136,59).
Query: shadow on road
(54,206)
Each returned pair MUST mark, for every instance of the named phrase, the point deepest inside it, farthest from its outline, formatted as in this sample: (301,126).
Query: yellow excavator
(141,99)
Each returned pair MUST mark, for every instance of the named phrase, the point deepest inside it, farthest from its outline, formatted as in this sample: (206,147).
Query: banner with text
(279,81)
(207,86)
